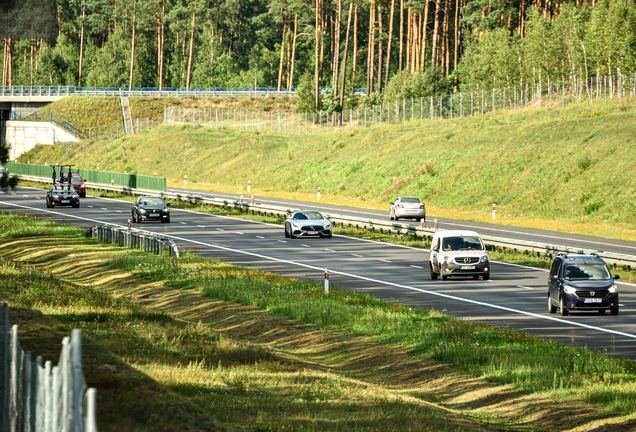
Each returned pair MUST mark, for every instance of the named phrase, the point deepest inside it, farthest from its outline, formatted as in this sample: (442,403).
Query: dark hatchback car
(307,223)
(150,208)
(62,195)
(581,282)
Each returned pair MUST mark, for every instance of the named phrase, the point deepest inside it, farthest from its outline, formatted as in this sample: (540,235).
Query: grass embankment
(565,170)
(195,344)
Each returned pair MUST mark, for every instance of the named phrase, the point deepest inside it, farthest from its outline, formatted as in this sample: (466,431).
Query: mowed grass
(195,344)
(566,170)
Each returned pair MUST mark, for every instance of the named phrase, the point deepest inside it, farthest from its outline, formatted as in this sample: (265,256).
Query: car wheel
(47,204)
(329,236)
(391,215)
(486,276)
(614,310)
(551,308)
(136,217)
(442,276)
(433,274)
(601,311)
(286,232)
(564,311)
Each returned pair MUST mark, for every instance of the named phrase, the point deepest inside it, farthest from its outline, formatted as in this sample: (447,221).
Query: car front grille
(466,260)
(312,228)
(599,294)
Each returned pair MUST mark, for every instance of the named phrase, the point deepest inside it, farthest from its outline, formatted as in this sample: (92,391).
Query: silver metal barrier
(134,238)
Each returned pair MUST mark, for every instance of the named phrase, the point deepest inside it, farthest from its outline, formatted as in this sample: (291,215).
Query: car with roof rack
(581,283)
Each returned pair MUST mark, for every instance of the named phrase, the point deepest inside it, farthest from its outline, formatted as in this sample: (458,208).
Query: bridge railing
(44,116)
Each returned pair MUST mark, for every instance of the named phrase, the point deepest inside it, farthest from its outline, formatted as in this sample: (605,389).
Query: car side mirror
(616,277)
(327,216)
(168,204)
(391,202)
(435,248)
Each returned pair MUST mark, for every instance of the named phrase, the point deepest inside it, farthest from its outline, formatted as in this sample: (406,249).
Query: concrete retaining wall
(22,136)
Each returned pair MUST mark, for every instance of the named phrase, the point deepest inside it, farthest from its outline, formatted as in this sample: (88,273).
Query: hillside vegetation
(563,169)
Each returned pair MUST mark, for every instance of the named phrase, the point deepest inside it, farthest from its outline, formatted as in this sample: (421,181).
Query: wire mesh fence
(38,396)
(461,104)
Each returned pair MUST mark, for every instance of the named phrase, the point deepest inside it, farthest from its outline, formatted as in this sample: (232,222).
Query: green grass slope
(564,169)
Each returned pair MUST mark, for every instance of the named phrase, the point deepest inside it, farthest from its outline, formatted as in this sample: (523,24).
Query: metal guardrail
(134,238)
(388,227)
(39,397)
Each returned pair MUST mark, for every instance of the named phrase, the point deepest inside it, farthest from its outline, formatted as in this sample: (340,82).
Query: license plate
(312,232)
(154,215)
(593,300)
(468,267)
(66,201)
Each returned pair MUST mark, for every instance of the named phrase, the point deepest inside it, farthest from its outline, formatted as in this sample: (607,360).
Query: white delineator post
(422,222)
(129,221)
(435,223)
(249,186)
(252,200)
(112,182)
(155,174)
(494,211)
(318,193)
(326,282)
(241,199)
(185,180)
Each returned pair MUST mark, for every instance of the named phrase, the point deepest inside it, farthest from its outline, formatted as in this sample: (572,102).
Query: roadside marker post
(129,223)
(241,199)
(494,210)
(155,174)
(249,186)
(252,200)
(318,194)
(326,282)
(112,182)
(435,223)
(185,180)
(422,222)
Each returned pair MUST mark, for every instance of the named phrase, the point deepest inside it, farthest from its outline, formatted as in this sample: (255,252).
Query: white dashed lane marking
(330,250)
(414,266)
(387,261)
(304,245)
(525,287)
(281,241)
(260,237)
(200,226)
(183,223)
(237,232)
(356,255)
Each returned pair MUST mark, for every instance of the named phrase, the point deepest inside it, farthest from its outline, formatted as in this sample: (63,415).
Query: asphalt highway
(547,237)
(514,297)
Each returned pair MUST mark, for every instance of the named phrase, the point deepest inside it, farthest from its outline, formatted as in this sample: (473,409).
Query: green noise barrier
(134,181)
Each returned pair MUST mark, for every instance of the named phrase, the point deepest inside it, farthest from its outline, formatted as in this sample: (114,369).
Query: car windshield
(76,178)
(462,243)
(152,201)
(579,272)
(410,200)
(308,216)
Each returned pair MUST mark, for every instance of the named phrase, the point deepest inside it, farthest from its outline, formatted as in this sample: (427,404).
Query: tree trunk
(409,38)
(317,65)
(371,53)
(354,59)
(400,64)
(457,34)
(435,41)
(336,48)
(388,44)
(282,54)
(132,45)
(380,51)
(446,41)
(424,35)
(194,17)
(292,60)
(160,41)
(81,53)
(344,61)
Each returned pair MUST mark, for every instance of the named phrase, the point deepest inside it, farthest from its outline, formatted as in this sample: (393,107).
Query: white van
(459,253)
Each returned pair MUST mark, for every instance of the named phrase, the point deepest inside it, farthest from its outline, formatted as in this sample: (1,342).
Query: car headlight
(327,225)
(295,225)
(166,210)
(613,289)
(484,259)
(54,196)
(75,196)
(568,289)
(142,211)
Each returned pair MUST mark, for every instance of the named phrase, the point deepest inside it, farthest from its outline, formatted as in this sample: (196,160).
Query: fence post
(5,368)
